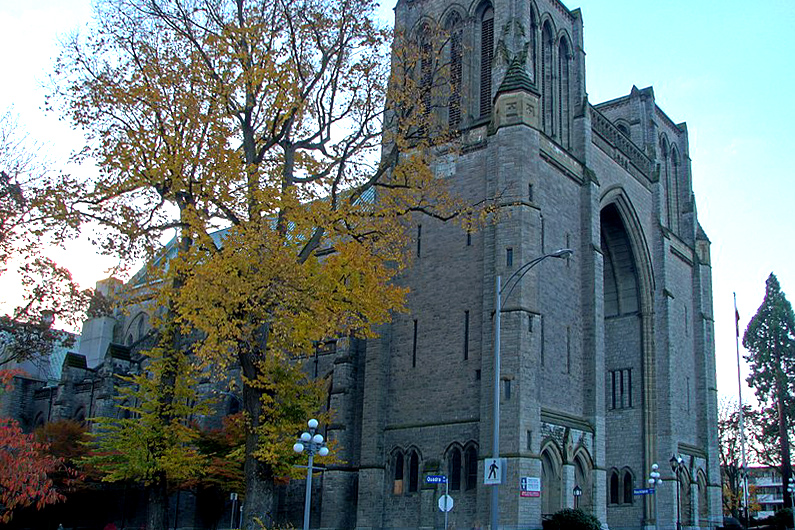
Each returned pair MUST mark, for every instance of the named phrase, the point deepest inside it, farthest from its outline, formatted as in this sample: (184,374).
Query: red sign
(529,493)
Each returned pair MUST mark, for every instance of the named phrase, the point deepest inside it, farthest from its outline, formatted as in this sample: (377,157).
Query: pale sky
(723,67)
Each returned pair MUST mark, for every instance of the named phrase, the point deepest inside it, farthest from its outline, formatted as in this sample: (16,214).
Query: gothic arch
(533,36)
(618,215)
(454,462)
(583,477)
(551,478)
(703,498)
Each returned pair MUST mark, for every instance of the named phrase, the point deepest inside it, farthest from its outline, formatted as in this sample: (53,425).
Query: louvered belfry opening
(486,58)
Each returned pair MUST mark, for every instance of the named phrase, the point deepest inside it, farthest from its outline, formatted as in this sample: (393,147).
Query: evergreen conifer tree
(770,341)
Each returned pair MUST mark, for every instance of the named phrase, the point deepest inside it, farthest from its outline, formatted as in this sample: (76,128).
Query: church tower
(607,355)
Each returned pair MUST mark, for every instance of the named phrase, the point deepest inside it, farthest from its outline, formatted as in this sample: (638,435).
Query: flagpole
(740,419)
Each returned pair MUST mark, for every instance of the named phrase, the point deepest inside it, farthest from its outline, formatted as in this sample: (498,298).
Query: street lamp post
(516,277)
(791,490)
(577,491)
(312,442)
(654,482)
(677,462)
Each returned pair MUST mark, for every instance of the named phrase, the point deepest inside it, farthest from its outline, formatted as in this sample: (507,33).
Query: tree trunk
(157,507)
(258,504)
(783,435)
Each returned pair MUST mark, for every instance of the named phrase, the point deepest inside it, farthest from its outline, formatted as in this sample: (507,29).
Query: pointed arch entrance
(629,349)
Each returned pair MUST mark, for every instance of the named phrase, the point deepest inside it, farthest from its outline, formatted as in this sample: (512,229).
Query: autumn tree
(264,118)
(25,471)
(770,341)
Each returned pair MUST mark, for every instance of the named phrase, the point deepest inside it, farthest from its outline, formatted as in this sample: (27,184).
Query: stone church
(607,354)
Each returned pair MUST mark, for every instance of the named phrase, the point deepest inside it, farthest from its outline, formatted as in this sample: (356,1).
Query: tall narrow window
(530,192)
(414,347)
(426,71)
(533,46)
(397,488)
(547,107)
(471,464)
(509,257)
(466,335)
(568,349)
(486,58)
(453,26)
(564,113)
(628,487)
(419,240)
(414,472)
(614,498)
(454,469)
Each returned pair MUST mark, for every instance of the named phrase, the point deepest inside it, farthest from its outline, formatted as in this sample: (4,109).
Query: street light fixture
(516,277)
(577,491)
(311,442)
(677,462)
(654,481)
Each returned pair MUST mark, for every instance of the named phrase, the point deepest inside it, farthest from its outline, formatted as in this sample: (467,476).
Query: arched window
(414,472)
(397,476)
(486,58)
(453,27)
(629,485)
(454,468)
(426,69)
(673,194)
(564,94)
(665,177)
(614,488)
(533,50)
(129,339)
(547,99)
(471,463)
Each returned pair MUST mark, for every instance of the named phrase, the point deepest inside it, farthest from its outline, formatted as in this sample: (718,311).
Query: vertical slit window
(486,57)
(509,257)
(614,498)
(507,386)
(568,350)
(466,335)
(426,72)
(542,340)
(414,347)
(419,240)
(530,192)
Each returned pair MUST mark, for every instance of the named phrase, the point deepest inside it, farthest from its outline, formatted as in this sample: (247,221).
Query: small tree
(770,341)
(154,442)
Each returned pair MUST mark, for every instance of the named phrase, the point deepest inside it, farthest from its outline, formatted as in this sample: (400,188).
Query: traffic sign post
(445,501)
(494,471)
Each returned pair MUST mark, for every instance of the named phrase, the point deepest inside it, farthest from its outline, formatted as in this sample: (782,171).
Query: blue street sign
(643,491)
(436,479)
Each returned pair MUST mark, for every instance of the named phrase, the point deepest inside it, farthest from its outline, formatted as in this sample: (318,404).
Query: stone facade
(607,355)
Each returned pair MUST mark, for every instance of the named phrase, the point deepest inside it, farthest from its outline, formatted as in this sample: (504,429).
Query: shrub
(569,519)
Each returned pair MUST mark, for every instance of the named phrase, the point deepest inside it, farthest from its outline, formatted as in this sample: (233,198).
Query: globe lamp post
(312,442)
